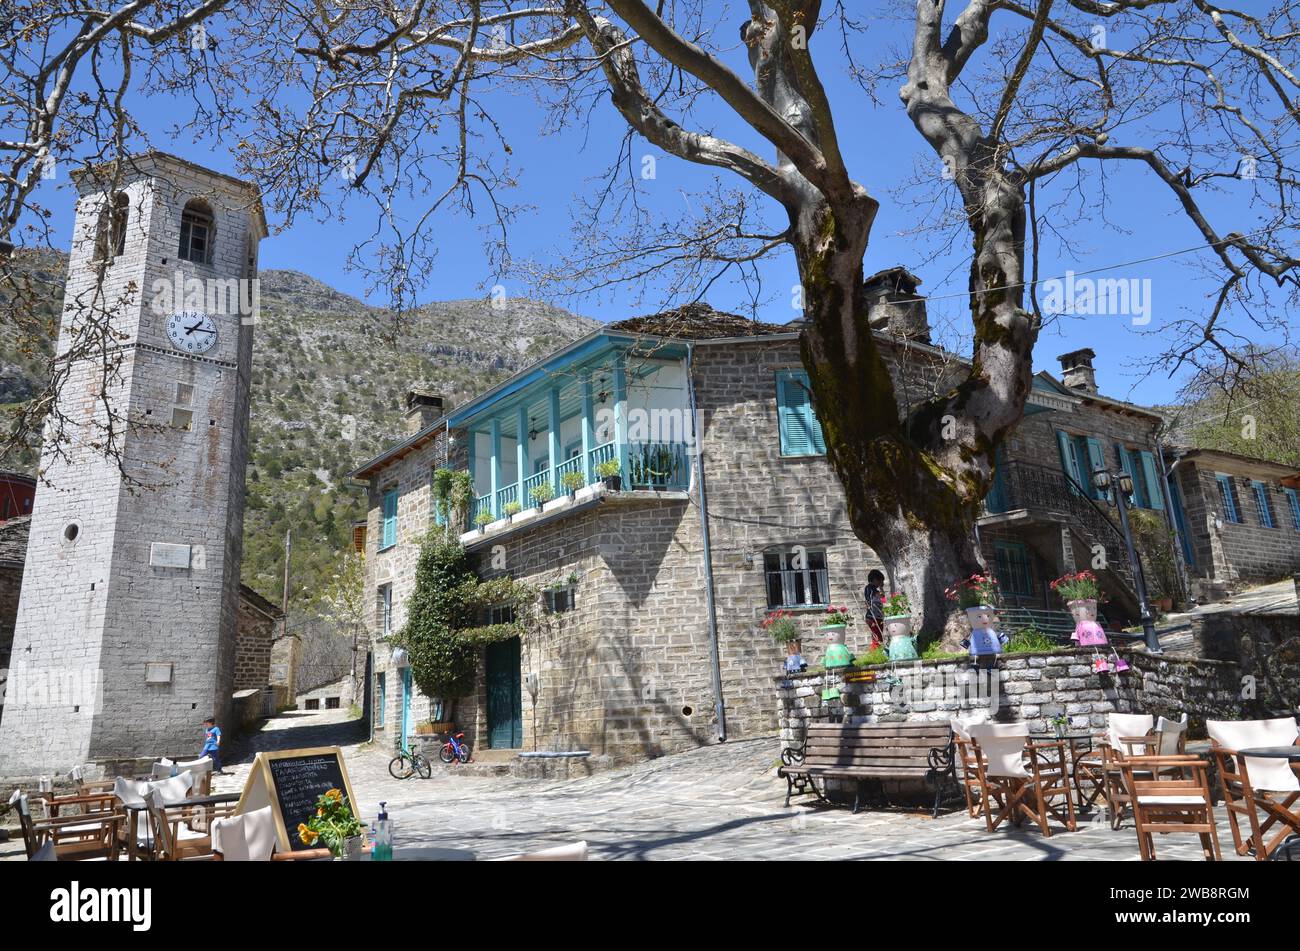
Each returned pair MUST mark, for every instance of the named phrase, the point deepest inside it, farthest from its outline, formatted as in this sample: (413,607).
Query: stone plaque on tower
(134,555)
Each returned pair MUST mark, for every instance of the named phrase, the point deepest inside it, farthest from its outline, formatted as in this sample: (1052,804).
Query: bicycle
(455,750)
(407,763)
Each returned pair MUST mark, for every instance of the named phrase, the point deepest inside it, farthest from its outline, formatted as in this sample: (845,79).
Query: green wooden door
(505,704)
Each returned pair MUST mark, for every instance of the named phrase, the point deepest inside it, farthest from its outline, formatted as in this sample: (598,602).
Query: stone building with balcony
(654,594)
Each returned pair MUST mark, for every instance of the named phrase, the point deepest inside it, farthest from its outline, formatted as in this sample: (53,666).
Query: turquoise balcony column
(588,433)
(470,440)
(521,451)
(620,415)
(553,405)
(496,462)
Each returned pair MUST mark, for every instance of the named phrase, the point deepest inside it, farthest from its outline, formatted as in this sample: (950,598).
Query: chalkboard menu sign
(290,782)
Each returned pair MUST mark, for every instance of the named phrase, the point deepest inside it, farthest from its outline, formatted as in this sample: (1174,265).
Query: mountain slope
(330,375)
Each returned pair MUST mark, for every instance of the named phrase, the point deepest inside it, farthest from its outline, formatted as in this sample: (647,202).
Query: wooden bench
(869,751)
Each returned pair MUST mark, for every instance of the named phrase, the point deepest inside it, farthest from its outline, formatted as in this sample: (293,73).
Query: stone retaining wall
(1035,687)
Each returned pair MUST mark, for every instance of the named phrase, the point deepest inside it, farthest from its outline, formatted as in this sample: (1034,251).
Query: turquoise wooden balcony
(598,400)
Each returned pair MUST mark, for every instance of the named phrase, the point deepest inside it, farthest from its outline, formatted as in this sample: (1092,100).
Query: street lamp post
(1123,483)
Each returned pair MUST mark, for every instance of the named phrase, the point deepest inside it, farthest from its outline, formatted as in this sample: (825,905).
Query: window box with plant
(572,482)
(541,494)
(511,509)
(483,520)
(609,473)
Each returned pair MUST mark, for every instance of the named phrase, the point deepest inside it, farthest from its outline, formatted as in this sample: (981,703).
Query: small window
(800,432)
(796,578)
(331,703)
(198,230)
(110,239)
(560,600)
(1293,498)
(182,419)
(500,614)
(1228,497)
(184,394)
(385,610)
(312,704)
(389,537)
(1261,503)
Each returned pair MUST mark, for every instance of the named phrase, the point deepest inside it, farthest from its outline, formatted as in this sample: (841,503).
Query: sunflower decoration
(333,824)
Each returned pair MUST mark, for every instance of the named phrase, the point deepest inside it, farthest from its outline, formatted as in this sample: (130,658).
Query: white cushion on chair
(1003,746)
(246,838)
(1273,775)
(577,852)
(1128,724)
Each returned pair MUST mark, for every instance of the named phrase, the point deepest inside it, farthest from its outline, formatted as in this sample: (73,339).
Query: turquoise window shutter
(1068,461)
(1226,496)
(1128,465)
(801,433)
(1294,498)
(1096,460)
(1155,498)
(390,518)
(1261,503)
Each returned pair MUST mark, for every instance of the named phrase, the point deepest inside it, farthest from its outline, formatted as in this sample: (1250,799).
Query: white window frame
(812,579)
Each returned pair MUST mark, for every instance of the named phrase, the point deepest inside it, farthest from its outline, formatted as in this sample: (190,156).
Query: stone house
(654,594)
(1239,518)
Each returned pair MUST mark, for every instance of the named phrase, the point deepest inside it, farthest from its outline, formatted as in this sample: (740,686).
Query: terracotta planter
(1084,609)
(1165,604)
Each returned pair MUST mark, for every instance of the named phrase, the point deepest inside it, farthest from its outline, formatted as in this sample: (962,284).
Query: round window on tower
(71,532)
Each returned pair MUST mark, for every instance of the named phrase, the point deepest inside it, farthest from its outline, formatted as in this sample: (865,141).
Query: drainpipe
(1165,474)
(719,705)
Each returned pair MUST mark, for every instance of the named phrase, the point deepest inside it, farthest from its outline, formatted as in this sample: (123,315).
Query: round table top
(427,853)
(1273,752)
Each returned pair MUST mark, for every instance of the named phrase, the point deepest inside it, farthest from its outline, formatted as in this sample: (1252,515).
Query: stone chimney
(1076,370)
(423,409)
(894,306)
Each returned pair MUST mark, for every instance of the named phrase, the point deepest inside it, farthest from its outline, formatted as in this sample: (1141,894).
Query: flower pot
(1084,609)
(613,483)
(1165,604)
(898,625)
(899,643)
(837,655)
(983,615)
(351,850)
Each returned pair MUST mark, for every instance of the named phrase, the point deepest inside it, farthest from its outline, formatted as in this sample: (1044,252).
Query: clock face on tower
(192,332)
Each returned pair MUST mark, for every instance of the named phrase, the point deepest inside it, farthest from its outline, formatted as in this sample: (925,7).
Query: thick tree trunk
(906,499)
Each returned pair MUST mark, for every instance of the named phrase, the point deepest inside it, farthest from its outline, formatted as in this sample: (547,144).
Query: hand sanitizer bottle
(383,851)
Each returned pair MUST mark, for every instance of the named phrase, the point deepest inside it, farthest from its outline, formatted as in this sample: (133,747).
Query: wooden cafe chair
(1022,779)
(1171,794)
(1257,792)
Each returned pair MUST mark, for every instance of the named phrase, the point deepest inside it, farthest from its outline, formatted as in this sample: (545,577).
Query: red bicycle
(455,750)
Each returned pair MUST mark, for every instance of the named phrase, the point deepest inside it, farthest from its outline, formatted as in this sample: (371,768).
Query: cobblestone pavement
(718,802)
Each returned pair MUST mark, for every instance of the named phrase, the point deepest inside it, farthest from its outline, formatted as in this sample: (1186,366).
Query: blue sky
(882,149)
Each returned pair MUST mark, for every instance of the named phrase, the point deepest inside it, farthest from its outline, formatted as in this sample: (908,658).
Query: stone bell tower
(125,634)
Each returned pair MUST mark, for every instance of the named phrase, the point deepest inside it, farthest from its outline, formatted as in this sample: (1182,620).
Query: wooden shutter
(390,518)
(1068,461)
(801,433)
(1151,477)
(1096,460)
(1294,499)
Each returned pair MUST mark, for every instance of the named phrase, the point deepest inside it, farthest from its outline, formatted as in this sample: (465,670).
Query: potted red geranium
(1080,592)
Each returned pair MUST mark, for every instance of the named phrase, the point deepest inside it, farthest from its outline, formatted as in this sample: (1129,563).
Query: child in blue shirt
(212,744)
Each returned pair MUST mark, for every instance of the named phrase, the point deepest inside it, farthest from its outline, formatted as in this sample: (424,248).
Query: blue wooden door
(505,705)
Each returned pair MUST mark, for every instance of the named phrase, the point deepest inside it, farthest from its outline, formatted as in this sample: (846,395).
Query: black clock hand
(198,326)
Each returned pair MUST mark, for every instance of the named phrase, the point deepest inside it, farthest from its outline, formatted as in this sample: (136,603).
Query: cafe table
(1080,743)
(131,809)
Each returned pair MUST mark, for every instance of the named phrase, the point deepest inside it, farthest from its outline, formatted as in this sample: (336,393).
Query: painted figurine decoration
(1081,593)
(977,596)
(837,653)
(900,644)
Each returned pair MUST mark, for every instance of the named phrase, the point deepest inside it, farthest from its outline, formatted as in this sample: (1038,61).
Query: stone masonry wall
(253,649)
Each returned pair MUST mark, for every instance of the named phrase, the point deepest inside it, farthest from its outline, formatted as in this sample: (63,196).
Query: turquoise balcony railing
(651,465)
